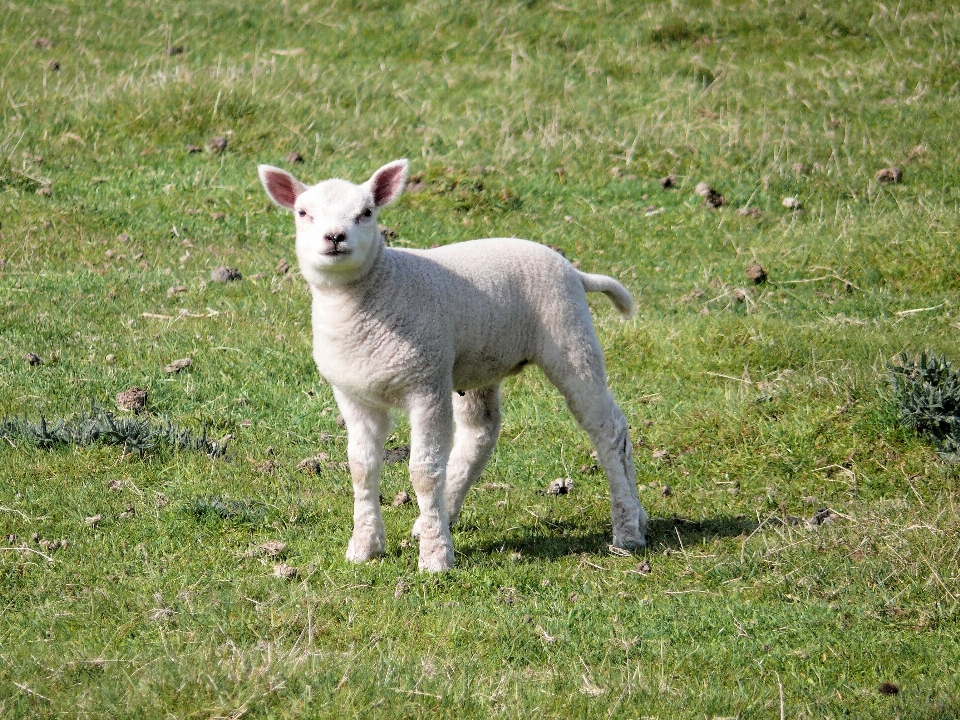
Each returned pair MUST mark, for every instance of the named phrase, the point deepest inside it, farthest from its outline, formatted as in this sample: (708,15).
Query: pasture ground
(757,405)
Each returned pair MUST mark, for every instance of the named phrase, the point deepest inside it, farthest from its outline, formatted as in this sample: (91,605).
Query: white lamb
(434,332)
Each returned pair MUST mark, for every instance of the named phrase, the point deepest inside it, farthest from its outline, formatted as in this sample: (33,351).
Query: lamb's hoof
(359,551)
(437,558)
(629,541)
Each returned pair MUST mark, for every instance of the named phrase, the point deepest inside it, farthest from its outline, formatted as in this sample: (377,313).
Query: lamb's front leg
(367,430)
(431,429)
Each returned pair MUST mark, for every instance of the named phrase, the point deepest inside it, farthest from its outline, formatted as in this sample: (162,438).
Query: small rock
(224,274)
(134,399)
(283,267)
(643,568)
(294,158)
(402,498)
(888,688)
(193,149)
(174,50)
(218,145)
(93,520)
(53,66)
(665,491)
(791,203)
(891,175)
(176,290)
(668,182)
(757,274)
(560,486)
(32,359)
(178,365)
(284,571)
(310,466)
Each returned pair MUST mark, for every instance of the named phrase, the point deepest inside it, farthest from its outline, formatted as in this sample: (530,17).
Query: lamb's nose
(336,239)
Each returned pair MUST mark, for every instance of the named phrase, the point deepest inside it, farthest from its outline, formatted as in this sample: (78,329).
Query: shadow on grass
(556,540)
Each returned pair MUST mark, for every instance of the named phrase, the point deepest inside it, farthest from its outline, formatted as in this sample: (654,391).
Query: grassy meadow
(758,410)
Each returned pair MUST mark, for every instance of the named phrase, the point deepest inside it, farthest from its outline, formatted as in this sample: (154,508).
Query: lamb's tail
(617,293)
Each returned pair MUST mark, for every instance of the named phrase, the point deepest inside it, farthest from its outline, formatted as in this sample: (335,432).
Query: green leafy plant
(927,391)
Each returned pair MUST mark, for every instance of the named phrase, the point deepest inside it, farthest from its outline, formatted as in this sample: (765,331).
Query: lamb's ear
(388,182)
(282,187)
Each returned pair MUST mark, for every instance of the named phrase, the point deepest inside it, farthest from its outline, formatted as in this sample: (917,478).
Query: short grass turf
(756,405)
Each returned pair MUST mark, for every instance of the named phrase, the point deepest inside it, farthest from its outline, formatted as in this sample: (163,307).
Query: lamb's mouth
(337,252)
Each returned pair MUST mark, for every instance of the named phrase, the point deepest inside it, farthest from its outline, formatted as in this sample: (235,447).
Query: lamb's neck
(350,295)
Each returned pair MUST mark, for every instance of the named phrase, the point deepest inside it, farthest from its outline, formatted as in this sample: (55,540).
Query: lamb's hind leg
(477,415)
(579,374)
(367,430)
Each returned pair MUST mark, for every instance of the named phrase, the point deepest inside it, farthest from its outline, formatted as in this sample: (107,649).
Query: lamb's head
(336,221)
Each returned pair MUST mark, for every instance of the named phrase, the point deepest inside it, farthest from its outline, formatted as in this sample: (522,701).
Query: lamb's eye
(365,214)
(302,213)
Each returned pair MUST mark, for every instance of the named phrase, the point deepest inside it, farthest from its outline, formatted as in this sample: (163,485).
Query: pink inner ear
(387,185)
(282,188)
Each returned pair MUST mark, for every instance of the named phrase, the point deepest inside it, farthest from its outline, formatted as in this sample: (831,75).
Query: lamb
(434,332)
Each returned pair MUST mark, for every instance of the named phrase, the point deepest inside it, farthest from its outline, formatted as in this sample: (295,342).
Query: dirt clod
(402,498)
(217,216)
(294,158)
(800,169)
(310,466)
(224,274)
(32,359)
(267,467)
(340,421)
(661,455)
(668,182)
(643,568)
(560,486)
(193,149)
(284,571)
(93,520)
(42,43)
(757,274)
(178,365)
(397,454)
(134,399)
(271,548)
(400,589)
(176,290)
(751,212)
(174,50)
(218,145)
(45,191)
(53,66)
(114,486)
(388,233)
(665,491)
(891,175)
(889,688)
(283,267)
(128,513)
(823,516)
(711,198)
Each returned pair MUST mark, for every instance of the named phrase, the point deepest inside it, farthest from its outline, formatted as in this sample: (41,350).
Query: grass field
(757,405)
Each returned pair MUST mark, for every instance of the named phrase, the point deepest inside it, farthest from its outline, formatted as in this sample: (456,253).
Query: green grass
(551,121)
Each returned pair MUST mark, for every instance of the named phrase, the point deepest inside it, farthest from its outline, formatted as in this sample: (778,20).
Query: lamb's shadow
(556,540)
